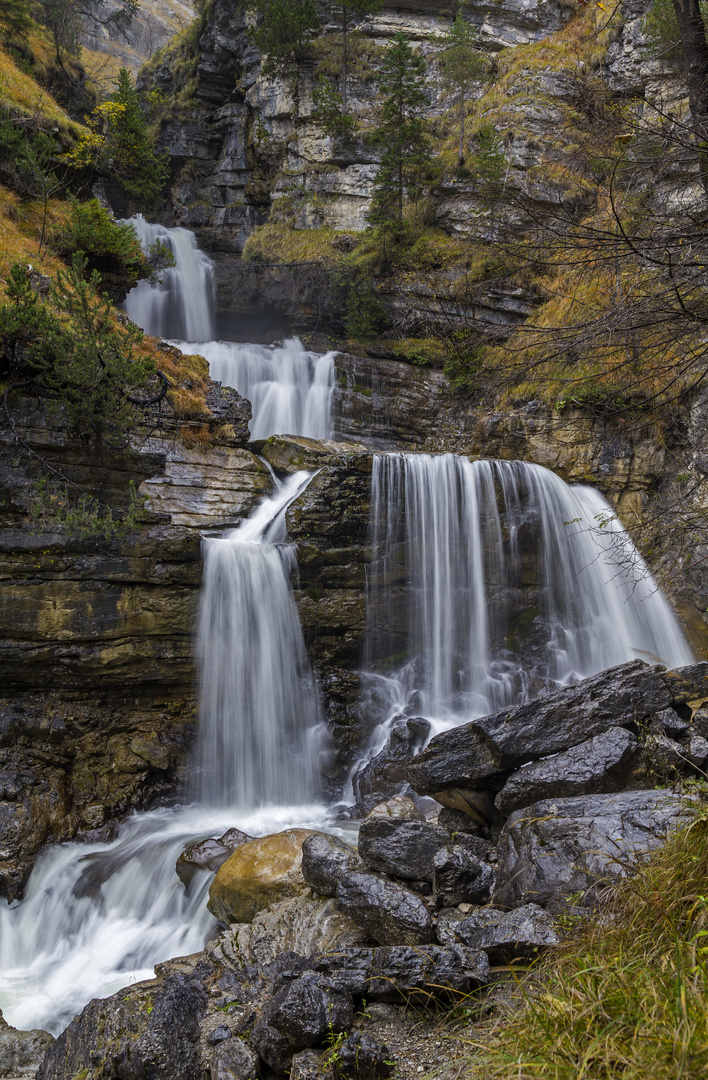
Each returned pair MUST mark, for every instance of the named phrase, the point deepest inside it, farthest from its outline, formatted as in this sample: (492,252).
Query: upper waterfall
(182,305)
(491,579)
(289,387)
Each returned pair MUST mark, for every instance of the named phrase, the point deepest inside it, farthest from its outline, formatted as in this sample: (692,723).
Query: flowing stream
(490,581)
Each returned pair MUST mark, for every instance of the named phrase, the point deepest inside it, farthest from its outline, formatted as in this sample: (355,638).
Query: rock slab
(557,847)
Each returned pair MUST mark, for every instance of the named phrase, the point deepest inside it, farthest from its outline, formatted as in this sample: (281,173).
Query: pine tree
(282,31)
(462,64)
(349,10)
(117,146)
(401,131)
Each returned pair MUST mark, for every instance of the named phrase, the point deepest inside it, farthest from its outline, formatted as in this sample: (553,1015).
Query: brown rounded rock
(258,874)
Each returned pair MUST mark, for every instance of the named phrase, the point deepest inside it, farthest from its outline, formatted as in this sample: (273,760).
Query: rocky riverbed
(325,949)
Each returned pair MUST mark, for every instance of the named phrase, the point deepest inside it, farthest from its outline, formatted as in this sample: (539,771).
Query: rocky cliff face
(96,638)
(154,24)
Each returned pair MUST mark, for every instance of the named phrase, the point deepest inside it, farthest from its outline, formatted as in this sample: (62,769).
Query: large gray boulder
(502,935)
(561,846)
(600,764)
(404,849)
(479,753)
(325,860)
(387,912)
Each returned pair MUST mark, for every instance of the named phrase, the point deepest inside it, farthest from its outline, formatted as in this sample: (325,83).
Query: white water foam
(290,389)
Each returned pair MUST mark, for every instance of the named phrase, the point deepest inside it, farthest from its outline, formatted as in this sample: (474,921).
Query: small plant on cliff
(110,247)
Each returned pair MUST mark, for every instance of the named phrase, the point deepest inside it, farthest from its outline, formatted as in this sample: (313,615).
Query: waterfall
(491,580)
(97,917)
(290,389)
(182,305)
(257,699)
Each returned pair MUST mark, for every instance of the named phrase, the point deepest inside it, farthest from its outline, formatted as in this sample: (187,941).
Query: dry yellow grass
(20,229)
(22,95)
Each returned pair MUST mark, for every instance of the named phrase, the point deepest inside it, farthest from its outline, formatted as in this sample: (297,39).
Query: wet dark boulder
(362,1058)
(597,765)
(688,683)
(502,935)
(150,1031)
(387,912)
(300,1015)
(325,860)
(234,1060)
(405,849)
(561,846)
(461,877)
(208,855)
(479,754)
(400,972)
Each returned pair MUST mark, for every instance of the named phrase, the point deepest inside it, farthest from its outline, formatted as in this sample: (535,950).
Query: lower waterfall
(96,917)
(491,580)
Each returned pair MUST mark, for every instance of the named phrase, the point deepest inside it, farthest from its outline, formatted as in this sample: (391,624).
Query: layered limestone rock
(96,632)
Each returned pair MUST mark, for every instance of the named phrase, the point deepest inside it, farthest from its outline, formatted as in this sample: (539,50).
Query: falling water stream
(490,581)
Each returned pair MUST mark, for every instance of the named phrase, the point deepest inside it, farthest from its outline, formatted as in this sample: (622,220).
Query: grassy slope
(627,995)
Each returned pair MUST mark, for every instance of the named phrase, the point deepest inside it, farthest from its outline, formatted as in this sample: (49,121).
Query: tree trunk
(400,190)
(695,50)
(345,19)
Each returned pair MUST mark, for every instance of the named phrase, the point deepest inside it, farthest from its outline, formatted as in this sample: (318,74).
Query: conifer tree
(282,31)
(462,64)
(401,131)
(349,10)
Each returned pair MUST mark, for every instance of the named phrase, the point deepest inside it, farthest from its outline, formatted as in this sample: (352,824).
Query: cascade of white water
(258,699)
(290,389)
(182,304)
(467,552)
(98,917)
